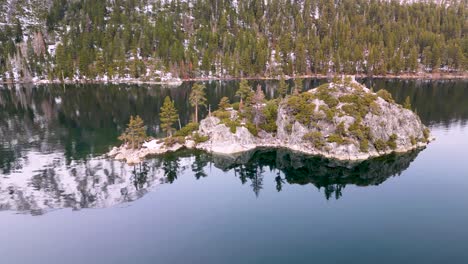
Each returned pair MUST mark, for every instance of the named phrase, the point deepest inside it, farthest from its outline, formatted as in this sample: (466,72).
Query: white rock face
(392,119)
(222,141)
(134,156)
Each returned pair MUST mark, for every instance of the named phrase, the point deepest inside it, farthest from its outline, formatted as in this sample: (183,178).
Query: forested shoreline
(160,41)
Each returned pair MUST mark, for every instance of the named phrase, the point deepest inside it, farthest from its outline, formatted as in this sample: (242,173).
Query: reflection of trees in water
(140,175)
(289,168)
(100,183)
(84,120)
(332,176)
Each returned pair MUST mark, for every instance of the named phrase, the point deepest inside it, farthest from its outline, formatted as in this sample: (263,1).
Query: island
(342,120)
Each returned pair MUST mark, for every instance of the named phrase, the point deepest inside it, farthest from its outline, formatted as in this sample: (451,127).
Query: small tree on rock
(244,92)
(282,87)
(197,98)
(168,116)
(224,103)
(258,100)
(298,83)
(407,103)
(135,134)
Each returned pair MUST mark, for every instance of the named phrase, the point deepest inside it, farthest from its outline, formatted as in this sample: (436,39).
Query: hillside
(151,40)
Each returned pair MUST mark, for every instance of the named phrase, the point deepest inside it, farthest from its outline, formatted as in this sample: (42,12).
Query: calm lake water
(61,201)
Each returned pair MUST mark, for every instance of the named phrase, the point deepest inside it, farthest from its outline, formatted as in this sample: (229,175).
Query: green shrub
(384,94)
(252,128)
(364,145)
(357,133)
(336,138)
(391,143)
(329,112)
(301,107)
(270,112)
(235,106)
(200,138)
(232,124)
(426,133)
(349,98)
(171,141)
(351,110)
(413,140)
(187,130)
(221,114)
(369,98)
(340,129)
(316,138)
(380,145)
(323,87)
(331,101)
(374,108)
(224,103)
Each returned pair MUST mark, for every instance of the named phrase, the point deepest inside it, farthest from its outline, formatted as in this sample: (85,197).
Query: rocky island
(340,120)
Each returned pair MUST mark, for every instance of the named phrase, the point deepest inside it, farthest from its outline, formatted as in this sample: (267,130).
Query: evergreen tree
(197,98)
(224,103)
(135,134)
(168,116)
(244,92)
(407,103)
(282,87)
(298,85)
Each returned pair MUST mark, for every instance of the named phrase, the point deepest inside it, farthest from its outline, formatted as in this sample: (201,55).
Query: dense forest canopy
(189,39)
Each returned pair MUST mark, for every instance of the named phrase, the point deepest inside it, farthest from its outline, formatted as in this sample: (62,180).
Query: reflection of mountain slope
(298,168)
(45,183)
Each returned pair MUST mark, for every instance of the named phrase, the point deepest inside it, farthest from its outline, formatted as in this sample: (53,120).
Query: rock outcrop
(342,120)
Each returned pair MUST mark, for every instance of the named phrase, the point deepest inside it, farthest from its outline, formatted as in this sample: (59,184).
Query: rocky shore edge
(341,120)
(242,141)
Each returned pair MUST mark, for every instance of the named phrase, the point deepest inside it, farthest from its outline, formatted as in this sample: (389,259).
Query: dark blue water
(62,202)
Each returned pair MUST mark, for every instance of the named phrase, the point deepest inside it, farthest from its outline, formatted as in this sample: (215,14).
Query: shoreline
(177,82)
(153,148)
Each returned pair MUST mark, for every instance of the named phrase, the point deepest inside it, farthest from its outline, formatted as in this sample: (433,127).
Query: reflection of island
(45,182)
(295,168)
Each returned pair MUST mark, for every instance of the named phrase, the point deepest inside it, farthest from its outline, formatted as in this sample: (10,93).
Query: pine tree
(244,92)
(168,116)
(282,87)
(224,103)
(135,134)
(298,85)
(407,103)
(257,101)
(197,98)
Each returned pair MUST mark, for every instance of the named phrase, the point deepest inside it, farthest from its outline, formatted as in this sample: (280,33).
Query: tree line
(252,38)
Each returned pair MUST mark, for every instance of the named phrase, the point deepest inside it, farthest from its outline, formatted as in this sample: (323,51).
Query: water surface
(62,202)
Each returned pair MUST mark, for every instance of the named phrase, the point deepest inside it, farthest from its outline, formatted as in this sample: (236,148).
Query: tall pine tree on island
(168,116)
(135,133)
(244,92)
(197,98)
